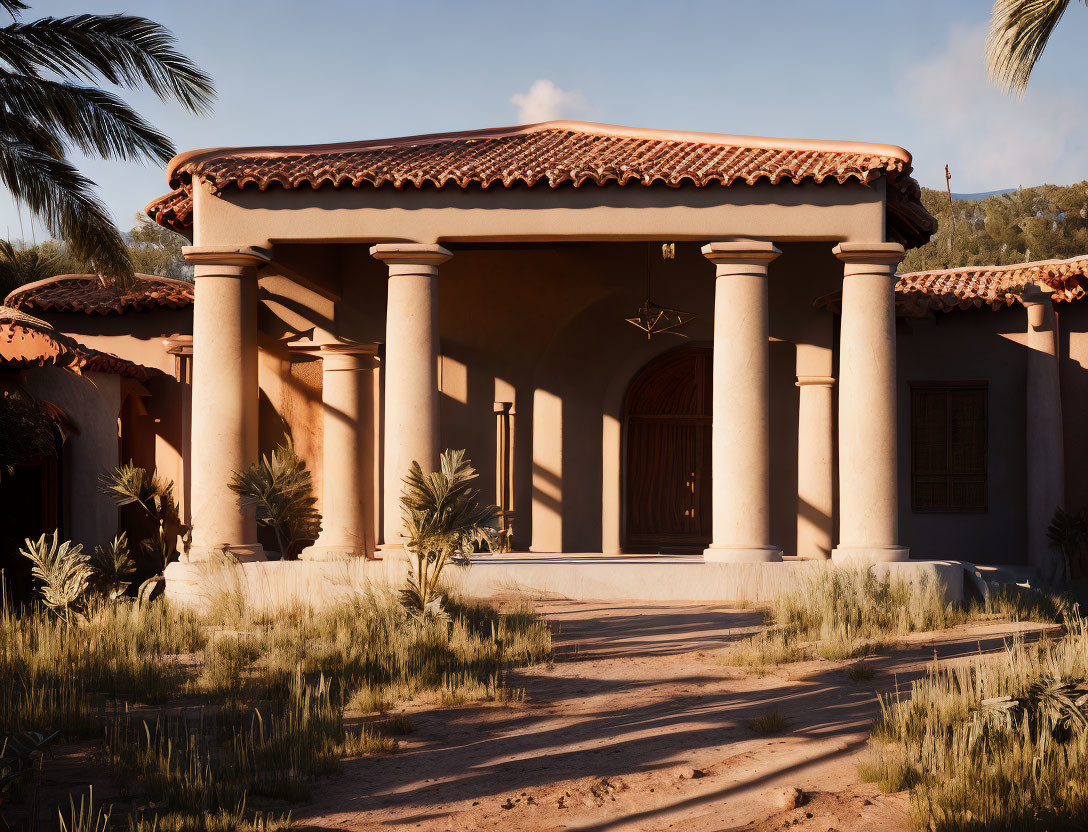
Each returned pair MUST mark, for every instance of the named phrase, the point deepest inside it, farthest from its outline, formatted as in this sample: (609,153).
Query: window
(948,436)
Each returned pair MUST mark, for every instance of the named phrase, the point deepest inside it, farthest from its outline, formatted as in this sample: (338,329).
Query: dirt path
(608,738)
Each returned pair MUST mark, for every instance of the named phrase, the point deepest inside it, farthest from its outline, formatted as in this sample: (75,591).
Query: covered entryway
(667,419)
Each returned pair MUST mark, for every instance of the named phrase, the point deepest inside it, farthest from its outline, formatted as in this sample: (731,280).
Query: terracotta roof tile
(26,341)
(553,154)
(86,293)
(975,287)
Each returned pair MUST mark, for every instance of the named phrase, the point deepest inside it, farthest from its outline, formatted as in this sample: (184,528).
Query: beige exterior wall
(970,345)
(93,401)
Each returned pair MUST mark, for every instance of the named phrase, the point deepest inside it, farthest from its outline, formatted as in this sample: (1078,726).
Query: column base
(742,554)
(869,554)
(392,551)
(323,552)
(240,552)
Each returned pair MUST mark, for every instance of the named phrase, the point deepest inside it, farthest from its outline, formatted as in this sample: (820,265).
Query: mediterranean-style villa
(678,356)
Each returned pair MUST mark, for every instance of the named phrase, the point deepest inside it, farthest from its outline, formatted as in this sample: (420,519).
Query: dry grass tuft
(843,613)
(860,672)
(771,722)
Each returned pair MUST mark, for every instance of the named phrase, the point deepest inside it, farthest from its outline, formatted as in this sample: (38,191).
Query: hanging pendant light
(653,318)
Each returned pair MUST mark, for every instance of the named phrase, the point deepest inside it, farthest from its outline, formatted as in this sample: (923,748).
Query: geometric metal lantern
(653,318)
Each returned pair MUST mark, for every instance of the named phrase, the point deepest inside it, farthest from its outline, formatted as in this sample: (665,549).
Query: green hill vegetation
(1040,223)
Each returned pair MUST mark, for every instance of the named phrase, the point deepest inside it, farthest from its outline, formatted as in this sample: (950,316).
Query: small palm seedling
(1068,530)
(63,569)
(445,520)
(129,485)
(113,566)
(281,488)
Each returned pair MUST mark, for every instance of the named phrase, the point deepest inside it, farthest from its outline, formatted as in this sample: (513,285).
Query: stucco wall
(976,345)
(91,401)
(1073,348)
(139,337)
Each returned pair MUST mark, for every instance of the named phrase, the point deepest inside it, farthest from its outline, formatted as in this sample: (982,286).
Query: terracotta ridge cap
(891,151)
(1010,267)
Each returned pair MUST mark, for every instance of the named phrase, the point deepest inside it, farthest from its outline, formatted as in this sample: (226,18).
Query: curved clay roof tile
(560,153)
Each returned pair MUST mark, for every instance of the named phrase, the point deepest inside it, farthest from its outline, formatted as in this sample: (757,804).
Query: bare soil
(637,726)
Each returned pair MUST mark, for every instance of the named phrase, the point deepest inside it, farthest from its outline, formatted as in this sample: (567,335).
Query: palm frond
(131,485)
(93,120)
(63,571)
(123,50)
(1019,32)
(113,565)
(63,198)
(281,488)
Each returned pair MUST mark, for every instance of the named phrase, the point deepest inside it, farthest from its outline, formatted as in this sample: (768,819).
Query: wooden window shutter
(949,425)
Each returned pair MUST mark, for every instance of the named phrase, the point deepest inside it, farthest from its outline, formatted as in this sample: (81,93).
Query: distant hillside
(982,194)
(1040,223)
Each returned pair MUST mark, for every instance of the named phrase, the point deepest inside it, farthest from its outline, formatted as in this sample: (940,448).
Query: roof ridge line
(992,268)
(890,151)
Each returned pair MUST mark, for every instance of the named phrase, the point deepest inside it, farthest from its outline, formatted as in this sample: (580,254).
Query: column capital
(749,255)
(250,256)
(1033,293)
(326,344)
(411,254)
(870,258)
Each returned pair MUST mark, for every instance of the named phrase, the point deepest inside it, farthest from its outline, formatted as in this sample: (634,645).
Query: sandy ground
(637,727)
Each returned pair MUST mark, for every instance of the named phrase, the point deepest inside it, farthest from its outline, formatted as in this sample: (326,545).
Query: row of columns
(868,502)
(224,421)
(225,396)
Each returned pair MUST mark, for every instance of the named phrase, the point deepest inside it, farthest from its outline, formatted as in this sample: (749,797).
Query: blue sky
(907,72)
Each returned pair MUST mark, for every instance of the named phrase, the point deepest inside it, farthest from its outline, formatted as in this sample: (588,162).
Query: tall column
(815,466)
(868,485)
(410,371)
(741,432)
(224,400)
(1045,442)
(347,449)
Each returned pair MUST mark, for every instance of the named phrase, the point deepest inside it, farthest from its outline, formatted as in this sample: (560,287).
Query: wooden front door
(667,415)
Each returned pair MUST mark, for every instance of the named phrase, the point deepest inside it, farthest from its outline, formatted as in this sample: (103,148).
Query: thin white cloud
(545,101)
(989,140)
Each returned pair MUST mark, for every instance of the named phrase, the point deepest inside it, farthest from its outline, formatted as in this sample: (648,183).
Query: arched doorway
(667,418)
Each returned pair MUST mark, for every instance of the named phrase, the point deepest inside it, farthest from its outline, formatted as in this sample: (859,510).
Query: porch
(376,319)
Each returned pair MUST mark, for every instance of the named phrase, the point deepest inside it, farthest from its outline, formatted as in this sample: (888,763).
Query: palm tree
(1019,32)
(445,520)
(49,106)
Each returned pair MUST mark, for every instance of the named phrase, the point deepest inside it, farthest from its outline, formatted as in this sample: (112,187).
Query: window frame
(948,387)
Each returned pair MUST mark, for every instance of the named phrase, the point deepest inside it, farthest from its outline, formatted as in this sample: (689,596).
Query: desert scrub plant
(281,489)
(113,566)
(63,571)
(132,485)
(995,744)
(445,521)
